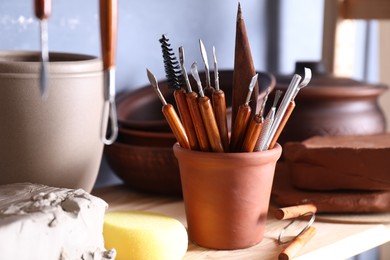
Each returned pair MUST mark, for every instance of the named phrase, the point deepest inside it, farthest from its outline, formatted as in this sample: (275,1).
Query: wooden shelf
(335,239)
(365,9)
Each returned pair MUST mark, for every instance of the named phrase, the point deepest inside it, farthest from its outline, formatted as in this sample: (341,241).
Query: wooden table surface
(337,237)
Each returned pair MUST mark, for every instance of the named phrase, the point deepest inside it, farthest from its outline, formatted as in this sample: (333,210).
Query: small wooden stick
(252,133)
(293,248)
(294,211)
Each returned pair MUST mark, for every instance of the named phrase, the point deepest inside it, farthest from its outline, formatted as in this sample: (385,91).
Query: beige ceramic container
(226,195)
(54,140)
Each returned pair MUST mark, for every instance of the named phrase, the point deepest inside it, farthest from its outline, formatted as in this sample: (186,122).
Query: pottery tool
(242,118)
(42,12)
(261,144)
(108,34)
(170,114)
(243,69)
(293,248)
(175,79)
(219,106)
(290,108)
(192,102)
(254,128)
(208,90)
(294,211)
(207,113)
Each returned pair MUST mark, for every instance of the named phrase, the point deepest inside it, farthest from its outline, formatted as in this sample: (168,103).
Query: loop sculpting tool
(207,113)
(42,12)
(170,114)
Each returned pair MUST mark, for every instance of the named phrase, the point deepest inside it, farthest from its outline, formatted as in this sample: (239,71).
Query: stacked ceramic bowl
(143,156)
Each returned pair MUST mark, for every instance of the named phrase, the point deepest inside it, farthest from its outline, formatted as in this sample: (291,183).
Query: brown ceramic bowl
(147,169)
(141,109)
(146,138)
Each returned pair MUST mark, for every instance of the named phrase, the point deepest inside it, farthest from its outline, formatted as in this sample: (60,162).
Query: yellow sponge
(144,236)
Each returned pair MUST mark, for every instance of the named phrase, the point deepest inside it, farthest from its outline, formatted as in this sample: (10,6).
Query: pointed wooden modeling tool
(244,68)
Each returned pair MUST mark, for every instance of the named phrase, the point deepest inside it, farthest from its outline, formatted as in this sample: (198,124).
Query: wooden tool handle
(208,92)
(206,110)
(42,9)
(252,134)
(108,31)
(176,126)
(282,124)
(185,115)
(219,105)
(192,101)
(239,128)
(293,248)
(294,211)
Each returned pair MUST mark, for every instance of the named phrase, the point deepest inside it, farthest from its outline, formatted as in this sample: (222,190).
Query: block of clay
(47,223)
(340,162)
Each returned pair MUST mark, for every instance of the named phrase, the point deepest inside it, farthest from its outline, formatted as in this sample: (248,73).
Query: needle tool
(290,108)
(192,102)
(170,114)
(208,90)
(175,79)
(207,113)
(42,12)
(219,106)
(242,118)
(254,128)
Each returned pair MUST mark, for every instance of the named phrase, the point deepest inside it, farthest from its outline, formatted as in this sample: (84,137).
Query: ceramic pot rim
(26,64)
(267,155)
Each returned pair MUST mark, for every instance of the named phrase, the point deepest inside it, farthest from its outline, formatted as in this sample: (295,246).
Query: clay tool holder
(244,69)
(108,34)
(207,113)
(208,90)
(261,144)
(219,106)
(192,102)
(42,12)
(254,128)
(170,114)
(242,118)
(290,108)
(175,77)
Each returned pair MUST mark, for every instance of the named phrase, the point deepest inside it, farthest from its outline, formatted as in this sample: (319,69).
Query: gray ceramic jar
(54,141)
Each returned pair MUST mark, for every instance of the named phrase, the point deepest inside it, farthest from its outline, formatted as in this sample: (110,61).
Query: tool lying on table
(42,12)
(170,114)
(108,34)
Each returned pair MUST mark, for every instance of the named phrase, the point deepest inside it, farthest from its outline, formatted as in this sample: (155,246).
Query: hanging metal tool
(42,12)
(108,34)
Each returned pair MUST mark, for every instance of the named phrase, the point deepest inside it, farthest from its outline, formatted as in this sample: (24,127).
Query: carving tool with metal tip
(255,127)
(290,108)
(219,106)
(242,118)
(208,90)
(207,113)
(170,114)
(42,12)
(175,79)
(192,102)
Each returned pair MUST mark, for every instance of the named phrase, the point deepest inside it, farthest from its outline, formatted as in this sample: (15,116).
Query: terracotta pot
(226,195)
(54,141)
(332,106)
(141,109)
